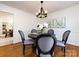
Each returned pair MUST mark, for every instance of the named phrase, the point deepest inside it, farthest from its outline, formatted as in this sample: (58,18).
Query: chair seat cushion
(60,43)
(28,41)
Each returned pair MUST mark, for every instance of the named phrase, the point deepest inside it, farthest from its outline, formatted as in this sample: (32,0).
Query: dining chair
(25,41)
(51,31)
(45,45)
(34,45)
(62,43)
(33,31)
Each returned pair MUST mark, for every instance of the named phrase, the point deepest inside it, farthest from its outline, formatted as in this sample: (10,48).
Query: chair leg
(23,50)
(32,47)
(37,55)
(64,51)
(52,54)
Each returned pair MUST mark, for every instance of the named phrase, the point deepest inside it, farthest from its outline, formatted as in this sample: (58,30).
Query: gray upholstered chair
(51,31)
(34,45)
(33,31)
(25,42)
(64,40)
(45,45)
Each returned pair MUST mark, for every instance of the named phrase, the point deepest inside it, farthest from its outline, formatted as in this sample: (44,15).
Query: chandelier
(42,13)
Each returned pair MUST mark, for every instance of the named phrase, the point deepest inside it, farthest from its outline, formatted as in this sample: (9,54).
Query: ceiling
(34,6)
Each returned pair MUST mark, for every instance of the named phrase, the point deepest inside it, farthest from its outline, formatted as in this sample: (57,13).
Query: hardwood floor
(15,50)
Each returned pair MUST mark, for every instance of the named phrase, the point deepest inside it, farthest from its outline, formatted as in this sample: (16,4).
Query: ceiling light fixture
(42,13)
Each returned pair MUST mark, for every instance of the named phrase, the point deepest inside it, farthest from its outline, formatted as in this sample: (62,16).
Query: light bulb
(45,11)
(36,13)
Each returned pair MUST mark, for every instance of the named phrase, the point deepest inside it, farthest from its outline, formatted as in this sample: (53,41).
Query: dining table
(33,35)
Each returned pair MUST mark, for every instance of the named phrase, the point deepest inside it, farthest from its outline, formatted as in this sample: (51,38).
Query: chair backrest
(45,44)
(51,31)
(33,31)
(65,36)
(22,35)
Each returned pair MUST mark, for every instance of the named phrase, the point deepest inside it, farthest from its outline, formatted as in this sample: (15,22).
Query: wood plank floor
(15,50)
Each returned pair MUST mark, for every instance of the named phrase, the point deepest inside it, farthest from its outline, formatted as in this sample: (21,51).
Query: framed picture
(57,23)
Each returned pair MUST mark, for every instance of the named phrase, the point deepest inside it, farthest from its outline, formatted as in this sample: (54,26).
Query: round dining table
(33,35)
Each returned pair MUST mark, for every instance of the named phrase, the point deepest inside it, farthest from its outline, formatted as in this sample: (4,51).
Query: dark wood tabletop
(33,35)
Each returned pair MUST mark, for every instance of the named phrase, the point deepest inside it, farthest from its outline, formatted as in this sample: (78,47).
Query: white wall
(72,22)
(22,21)
(25,21)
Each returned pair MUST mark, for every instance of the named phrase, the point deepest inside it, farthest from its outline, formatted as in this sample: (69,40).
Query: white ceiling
(34,6)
